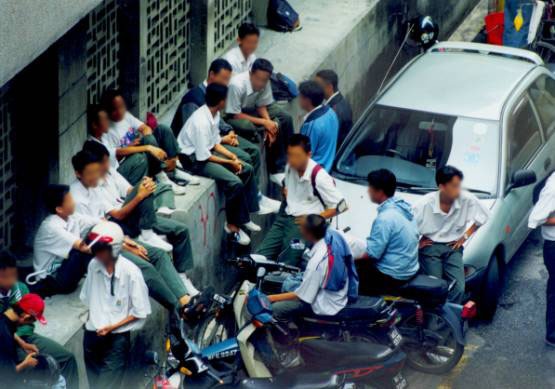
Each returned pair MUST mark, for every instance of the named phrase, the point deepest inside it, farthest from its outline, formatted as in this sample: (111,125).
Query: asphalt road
(508,353)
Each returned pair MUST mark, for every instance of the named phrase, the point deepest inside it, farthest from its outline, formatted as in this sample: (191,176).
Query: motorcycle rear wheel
(439,352)
(213,330)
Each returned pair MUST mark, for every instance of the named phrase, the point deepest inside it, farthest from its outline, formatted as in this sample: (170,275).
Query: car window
(523,136)
(414,144)
(542,93)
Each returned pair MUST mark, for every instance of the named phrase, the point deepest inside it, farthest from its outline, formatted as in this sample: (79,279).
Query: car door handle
(547,163)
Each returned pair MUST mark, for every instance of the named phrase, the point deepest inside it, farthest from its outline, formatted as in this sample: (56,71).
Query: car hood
(362,212)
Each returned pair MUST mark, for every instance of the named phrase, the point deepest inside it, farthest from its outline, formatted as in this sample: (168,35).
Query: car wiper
(421,189)
(479,191)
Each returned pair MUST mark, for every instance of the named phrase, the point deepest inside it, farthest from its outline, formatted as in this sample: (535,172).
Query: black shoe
(198,306)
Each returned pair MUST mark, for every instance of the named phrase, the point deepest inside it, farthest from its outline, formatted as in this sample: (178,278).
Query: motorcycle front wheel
(213,330)
(431,348)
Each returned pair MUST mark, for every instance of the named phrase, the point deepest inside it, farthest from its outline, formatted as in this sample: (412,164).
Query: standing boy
(117,298)
(446,219)
(242,57)
(330,82)
(320,124)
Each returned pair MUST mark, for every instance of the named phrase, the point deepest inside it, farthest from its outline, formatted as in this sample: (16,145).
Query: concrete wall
(28,27)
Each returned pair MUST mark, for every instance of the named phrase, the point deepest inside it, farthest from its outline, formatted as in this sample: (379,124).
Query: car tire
(491,289)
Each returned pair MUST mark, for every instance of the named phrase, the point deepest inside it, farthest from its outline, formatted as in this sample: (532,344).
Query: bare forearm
(329,213)
(282,297)
(126,210)
(125,151)
(253,119)
(127,320)
(218,160)
(263,112)
(225,152)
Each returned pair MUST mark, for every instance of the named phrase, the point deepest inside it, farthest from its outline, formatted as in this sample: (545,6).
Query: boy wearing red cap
(29,309)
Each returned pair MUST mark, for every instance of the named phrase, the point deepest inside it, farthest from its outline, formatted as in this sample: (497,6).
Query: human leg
(372,282)
(178,236)
(245,128)
(106,358)
(250,188)
(277,240)
(431,262)
(65,359)
(158,288)
(453,270)
(276,156)
(134,167)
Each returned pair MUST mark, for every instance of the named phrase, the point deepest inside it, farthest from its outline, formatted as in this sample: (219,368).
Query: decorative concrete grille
(228,16)
(102,50)
(168,42)
(7,171)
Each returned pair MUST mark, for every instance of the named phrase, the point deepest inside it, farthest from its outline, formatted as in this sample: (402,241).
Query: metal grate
(102,50)
(7,171)
(168,43)
(228,16)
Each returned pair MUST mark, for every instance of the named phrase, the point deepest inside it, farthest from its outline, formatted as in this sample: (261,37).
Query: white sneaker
(277,178)
(268,205)
(253,227)
(163,178)
(191,289)
(241,237)
(165,211)
(184,176)
(151,238)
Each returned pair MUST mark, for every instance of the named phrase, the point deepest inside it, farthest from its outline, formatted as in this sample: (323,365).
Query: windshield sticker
(472,157)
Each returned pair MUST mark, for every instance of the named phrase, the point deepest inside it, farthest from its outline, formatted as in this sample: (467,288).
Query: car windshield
(413,144)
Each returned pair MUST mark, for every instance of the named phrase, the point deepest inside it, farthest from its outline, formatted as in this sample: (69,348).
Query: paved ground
(508,353)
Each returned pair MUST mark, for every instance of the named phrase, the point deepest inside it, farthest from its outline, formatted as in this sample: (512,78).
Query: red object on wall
(495,25)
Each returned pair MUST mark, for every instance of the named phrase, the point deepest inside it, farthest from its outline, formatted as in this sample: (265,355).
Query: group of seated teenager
(112,224)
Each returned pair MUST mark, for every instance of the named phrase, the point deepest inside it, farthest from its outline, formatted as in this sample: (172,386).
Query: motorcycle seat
(353,353)
(425,288)
(294,381)
(364,308)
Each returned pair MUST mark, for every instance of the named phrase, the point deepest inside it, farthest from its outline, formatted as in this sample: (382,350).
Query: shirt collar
(331,98)
(308,172)
(313,110)
(117,269)
(436,208)
(213,119)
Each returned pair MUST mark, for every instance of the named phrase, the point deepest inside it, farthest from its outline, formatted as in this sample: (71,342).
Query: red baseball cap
(33,305)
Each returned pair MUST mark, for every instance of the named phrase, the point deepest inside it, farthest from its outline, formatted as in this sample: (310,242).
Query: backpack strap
(313,176)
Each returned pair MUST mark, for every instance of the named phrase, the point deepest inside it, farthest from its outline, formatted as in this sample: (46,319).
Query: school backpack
(282,17)
(283,88)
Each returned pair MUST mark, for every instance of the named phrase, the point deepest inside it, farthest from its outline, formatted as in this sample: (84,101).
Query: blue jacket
(341,265)
(322,127)
(393,241)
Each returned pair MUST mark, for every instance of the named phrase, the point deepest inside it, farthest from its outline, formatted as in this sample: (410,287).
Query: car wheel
(491,289)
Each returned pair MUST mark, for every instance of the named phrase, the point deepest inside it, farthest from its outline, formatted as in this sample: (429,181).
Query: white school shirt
(200,134)
(323,302)
(90,202)
(443,227)
(543,209)
(130,296)
(241,96)
(122,133)
(111,150)
(114,188)
(55,239)
(237,60)
(300,193)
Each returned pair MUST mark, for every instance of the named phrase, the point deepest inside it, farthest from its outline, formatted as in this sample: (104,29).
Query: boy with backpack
(308,189)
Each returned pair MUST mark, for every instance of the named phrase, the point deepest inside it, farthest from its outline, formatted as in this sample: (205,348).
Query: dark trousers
(66,278)
(277,241)
(143,217)
(178,236)
(442,261)
(241,193)
(276,153)
(549,260)
(106,359)
(373,282)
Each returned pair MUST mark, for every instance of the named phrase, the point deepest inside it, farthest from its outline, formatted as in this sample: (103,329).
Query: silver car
(488,110)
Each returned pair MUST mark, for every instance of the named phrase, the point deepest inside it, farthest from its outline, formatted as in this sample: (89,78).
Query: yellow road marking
(449,380)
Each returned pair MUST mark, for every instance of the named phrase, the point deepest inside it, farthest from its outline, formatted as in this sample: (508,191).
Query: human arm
(230,160)
(377,242)
(30,361)
(27,347)
(108,329)
(146,189)
(156,152)
(274,298)
(135,249)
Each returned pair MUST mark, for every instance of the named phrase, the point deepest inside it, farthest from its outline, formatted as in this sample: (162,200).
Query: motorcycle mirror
(261,272)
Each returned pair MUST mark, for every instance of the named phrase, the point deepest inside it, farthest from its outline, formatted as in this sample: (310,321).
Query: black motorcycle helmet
(424,31)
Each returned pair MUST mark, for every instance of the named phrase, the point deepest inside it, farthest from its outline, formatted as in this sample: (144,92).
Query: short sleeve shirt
(301,199)
(130,297)
(200,134)
(444,227)
(122,133)
(111,150)
(90,202)
(55,239)
(242,97)
(114,188)
(323,302)
(237,60)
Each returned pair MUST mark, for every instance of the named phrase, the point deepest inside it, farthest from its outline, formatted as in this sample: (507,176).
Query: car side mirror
(522,178)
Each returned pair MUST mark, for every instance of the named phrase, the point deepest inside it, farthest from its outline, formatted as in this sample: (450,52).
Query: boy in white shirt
(61,256)
(128,135)
(117,297)
(242,57)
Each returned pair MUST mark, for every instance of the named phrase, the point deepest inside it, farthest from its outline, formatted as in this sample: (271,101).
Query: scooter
(236,362)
